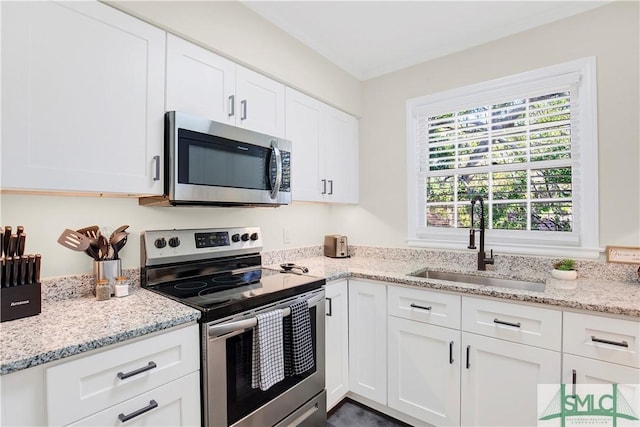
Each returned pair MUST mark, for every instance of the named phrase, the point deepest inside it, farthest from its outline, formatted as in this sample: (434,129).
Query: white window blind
(517,144)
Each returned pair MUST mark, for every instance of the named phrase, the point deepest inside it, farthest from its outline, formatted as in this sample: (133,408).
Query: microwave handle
(278,181)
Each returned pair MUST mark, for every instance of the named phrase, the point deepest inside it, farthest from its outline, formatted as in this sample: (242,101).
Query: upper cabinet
(82,99)
(325,150)
(201,83)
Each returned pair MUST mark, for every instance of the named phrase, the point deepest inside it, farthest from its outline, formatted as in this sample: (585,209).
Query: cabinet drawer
(89,384)
(603,338)
(536,326)
(424,306)
(173,404)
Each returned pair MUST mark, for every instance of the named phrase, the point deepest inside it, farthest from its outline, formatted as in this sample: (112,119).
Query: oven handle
(227,328)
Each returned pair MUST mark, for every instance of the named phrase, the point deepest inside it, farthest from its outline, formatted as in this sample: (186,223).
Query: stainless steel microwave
(211,163)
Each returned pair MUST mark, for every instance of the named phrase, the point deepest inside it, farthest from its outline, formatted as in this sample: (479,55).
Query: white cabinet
(500,380)
(424,356)
(424,371)
(337,341)
(199,82)
(368,340)
(325,150)
(601,350)
(204,84)
(156,376)
(82,99)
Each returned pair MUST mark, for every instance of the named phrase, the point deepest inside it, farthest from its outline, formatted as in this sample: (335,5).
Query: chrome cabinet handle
(243,107)
(156,160)
(603,341)
(451,352)
(468,361)
(502,322)
(232,105)
(149,367)
(330,313)
(124,418)
(278,156)
(330,186)
(422,307)
(324,186)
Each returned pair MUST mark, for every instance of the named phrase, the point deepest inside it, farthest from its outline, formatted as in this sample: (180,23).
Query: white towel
(268,356)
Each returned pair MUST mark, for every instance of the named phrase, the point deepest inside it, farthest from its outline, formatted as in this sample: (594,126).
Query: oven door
(218,163)
(229,399)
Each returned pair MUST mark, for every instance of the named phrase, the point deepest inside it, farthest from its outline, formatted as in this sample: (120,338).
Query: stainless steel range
(219,272)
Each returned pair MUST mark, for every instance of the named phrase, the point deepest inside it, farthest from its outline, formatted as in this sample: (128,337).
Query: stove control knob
(245,237)
(160,243)
(235,238)
(174,242)
(254,236)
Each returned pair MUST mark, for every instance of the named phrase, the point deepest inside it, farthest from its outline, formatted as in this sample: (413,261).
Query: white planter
(564,275)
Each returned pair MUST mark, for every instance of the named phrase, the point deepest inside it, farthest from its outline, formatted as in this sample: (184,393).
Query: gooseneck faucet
(482,256)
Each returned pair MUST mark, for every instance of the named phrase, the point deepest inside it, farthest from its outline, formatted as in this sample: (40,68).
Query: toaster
(336,246)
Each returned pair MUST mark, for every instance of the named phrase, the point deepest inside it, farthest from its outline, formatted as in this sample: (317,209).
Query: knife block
(20,301)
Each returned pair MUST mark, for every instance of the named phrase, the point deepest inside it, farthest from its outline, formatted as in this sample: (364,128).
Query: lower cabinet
(424,371)
(153,380)
(368,340)
(499,381)
(174,404)
(337,341)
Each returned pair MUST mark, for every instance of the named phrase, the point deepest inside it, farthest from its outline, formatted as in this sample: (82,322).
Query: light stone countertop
(72,326)
(598,295)
(72,321)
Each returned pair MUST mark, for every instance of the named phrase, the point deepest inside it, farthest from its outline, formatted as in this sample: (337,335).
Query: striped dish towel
(301,337)
(267,360)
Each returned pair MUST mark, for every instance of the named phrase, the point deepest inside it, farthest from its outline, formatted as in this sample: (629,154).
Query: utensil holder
(20,301)
(108,270)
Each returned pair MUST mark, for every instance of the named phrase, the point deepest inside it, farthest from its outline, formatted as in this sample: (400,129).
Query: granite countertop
(72,321)
(598,295)
(72,326)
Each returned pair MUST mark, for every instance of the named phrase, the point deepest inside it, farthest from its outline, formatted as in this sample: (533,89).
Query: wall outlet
(286,235)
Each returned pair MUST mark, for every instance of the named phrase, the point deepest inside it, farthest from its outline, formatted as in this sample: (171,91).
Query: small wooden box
(20,301)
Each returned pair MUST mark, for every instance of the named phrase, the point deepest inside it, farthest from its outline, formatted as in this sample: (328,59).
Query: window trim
(585,241)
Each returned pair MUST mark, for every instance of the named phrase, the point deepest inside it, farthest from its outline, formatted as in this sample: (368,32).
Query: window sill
(511,248)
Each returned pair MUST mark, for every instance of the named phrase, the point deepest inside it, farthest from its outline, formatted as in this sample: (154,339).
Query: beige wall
(610,33)
(235,31)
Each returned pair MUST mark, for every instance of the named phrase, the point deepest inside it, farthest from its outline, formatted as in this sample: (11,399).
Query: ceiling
(371,38)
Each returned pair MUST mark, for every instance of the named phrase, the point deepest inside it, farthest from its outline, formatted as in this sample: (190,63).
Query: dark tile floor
(352,414)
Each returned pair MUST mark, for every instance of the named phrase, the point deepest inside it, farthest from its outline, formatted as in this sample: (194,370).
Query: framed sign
(623,254)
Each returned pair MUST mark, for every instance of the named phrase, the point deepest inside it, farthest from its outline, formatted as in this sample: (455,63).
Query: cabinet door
(199,82)
(82,98)
(424,371)
(259,103)
(368,340)
(500,381)
(305,130)
(174,404)
(341,156)
(337,342)
(584,372)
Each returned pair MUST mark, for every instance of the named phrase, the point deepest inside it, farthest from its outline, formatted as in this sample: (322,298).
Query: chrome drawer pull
(150,366)
(124,418)
(420,306)
(502,322)
(603,341)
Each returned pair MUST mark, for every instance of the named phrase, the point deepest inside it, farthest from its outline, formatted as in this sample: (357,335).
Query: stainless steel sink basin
(481,280)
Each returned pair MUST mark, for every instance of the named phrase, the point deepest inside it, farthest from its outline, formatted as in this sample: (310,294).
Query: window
(527,144)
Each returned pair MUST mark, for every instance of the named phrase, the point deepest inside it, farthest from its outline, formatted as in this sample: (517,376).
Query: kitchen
(608,33)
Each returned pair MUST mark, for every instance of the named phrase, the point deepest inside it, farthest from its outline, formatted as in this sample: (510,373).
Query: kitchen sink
(481,280)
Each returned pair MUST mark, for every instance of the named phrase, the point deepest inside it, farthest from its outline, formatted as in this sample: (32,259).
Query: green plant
(565,265)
